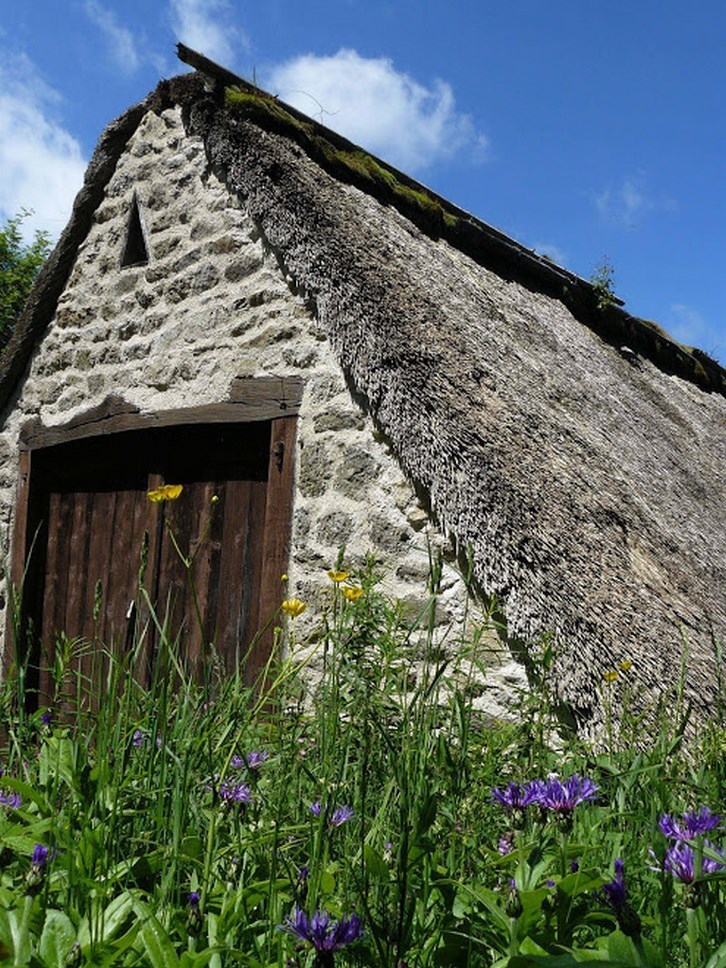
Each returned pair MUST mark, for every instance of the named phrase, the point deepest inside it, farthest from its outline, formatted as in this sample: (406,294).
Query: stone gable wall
(213,305)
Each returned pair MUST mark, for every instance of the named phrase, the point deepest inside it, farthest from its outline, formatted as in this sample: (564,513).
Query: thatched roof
(574,451)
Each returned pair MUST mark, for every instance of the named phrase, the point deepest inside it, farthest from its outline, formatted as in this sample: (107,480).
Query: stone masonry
(212,305)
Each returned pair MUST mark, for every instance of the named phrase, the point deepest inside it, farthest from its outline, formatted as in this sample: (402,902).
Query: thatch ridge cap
(488,245)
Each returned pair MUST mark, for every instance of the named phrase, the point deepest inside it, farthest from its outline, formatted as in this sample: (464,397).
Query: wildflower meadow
(352,808)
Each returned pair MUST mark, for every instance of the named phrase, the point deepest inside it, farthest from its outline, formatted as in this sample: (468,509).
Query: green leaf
(427,815)
(6,936)
(327,883)
(215,961)
(375,864)
(560,961)
(56,939)
(580,883)
(718,958)
(157,943)
(110,921)
(622,947)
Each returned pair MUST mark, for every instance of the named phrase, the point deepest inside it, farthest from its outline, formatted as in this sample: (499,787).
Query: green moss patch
(354,167)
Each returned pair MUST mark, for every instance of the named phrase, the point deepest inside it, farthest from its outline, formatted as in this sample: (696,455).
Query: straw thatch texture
(588,483)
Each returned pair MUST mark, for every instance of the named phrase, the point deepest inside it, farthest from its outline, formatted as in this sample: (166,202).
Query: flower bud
(194,915)
(74,958)
(36,873)
(513,904)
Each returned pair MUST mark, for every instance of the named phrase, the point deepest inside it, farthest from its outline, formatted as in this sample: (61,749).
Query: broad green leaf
(718,958)
(580,883)
(215,961)
(21,938)
(6,936)
(622,948)
(106,926)
(157,943)
(56,939)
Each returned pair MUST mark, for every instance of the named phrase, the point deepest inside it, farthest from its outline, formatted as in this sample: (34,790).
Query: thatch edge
(482,242)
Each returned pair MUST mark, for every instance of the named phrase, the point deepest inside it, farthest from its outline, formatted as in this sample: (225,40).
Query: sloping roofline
(432,213)
(440,218)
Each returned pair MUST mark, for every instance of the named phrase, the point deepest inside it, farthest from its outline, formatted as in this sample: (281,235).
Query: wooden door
(103,552)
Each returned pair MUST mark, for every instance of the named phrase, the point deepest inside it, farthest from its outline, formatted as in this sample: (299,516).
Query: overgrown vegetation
(602,281)
(355,809)
(19,265)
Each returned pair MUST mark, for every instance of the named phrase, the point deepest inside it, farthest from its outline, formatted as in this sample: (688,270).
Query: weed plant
(353,808)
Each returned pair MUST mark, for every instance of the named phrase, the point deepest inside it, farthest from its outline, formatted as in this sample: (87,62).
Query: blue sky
(586,129)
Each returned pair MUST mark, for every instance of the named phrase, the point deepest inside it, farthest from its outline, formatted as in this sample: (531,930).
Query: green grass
(127,794)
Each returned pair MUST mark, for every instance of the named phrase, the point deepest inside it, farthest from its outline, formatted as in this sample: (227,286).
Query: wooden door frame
(262,399)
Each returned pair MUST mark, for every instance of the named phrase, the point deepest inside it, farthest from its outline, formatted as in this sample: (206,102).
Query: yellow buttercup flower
(352,592)
(293,607)
(167,492)
(626,665)
(338,576)
(611,675)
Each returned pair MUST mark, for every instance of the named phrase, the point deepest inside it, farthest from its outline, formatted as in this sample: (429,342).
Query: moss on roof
(439,219)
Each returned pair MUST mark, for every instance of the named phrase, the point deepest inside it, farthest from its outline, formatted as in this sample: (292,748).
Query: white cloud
(121,44)
(378,107)
(688,326)
(630,201)
(204,25)
(41,163)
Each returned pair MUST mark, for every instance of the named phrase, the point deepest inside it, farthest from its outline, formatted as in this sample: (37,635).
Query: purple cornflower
(194,899)
(46,717)
(514,796)
(322,933)
(255,759)
(237,762)
(137,738)
(341,815)
(235,792)
(41,855)
(691,825)
(679,861)
(615,895)
(11,800)
(562,798)
(338,817)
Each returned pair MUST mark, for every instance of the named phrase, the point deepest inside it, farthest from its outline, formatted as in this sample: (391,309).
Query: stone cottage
(327,354)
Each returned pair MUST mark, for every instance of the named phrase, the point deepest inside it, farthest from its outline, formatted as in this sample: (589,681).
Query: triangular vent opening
(135,252)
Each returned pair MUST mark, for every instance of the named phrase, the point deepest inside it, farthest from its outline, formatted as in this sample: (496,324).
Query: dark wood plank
(277,531)
(251,401)
(52,621)
(234,585)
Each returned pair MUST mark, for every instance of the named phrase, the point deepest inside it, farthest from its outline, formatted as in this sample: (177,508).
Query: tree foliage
(19,265)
